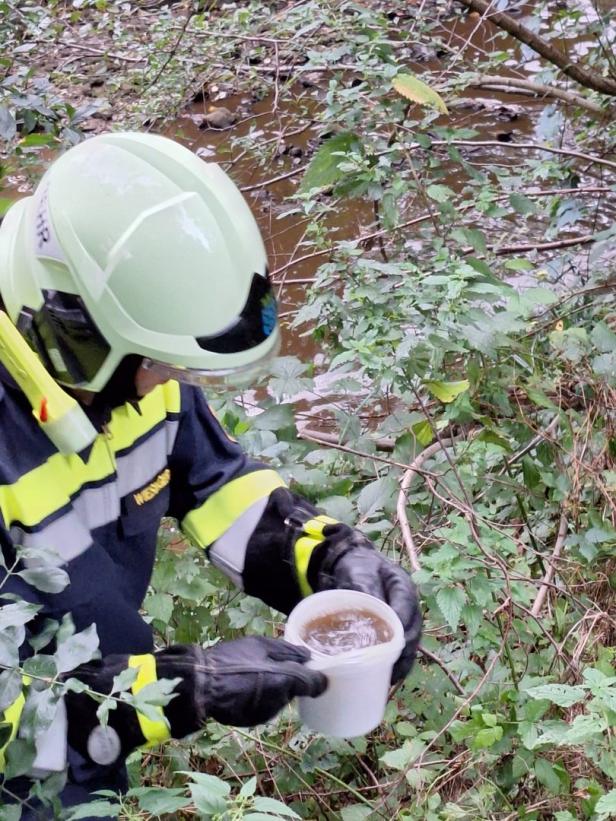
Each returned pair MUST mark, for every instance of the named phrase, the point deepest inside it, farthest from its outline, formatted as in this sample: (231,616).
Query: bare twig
(407,478)
(551,562)
(443,667)
(99,52)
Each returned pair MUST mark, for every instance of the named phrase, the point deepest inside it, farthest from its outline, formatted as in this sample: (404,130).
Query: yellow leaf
(447,391)
(419,92)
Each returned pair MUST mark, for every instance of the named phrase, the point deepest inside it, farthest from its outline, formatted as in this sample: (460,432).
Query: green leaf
(160,800)
(447,391)
(419,92)
(519,265)
(564,695)
(401,758)
(471,236)
(249,787)
(323,169)
(95,809)
(259,816)
(287,376)
(375,495)
(487,737)
(423,432)
(439,193)
(606,805)
(209,793)
(355,812)
(159,606)
(8,126)
(266,804)
(451,600)
(10,812)
(46,579)
(76,649)
(522,204)
(547,775)
(10,688)
(36,140)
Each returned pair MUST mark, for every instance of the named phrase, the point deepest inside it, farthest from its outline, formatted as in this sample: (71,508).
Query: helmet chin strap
(120,388)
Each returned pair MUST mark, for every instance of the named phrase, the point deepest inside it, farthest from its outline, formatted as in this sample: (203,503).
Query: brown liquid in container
(345,630)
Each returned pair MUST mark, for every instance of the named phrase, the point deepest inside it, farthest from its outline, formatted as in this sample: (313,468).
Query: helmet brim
(243,377)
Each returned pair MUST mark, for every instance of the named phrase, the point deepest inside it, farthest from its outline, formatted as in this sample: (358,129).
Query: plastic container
(359,680)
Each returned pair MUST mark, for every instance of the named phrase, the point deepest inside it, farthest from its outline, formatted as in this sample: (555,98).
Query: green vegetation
(466,319)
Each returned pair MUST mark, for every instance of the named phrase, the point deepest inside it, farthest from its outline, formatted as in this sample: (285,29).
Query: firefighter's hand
(347,559)
(241,683)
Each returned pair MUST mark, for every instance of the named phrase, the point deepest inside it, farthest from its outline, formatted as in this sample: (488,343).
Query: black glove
(241,683)
(347,559)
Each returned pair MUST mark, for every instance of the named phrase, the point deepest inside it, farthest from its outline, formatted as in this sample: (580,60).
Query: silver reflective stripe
(67,537)
(97,506)
(229,552)
(172,432)
(142,464)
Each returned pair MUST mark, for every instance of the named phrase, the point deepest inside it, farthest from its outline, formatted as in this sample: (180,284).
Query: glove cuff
(187,710)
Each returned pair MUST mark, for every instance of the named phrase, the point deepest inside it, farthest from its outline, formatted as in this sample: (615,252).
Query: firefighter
(137,275)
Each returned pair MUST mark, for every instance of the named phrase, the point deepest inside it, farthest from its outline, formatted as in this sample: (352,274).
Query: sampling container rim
(361,655)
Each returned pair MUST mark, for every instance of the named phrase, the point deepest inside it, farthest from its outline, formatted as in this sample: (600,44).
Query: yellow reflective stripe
(50,486)
(127,424)
(304,546)
(216,515)
(154,732)
(171,393)
(12,716)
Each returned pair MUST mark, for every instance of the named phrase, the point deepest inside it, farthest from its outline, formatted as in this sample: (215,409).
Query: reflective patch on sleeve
(207,523)
(154,732)
(229,552)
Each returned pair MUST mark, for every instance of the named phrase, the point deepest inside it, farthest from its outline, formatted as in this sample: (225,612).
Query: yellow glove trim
(216,515)
(154,732)
(313,530)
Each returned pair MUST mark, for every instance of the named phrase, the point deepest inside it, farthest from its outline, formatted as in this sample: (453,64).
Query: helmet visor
(242,377)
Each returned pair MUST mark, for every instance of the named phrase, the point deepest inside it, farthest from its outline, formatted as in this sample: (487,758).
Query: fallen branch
(385,443)
(405,483)
(499,83)
(531,146)
(542,246)
(551,562)
(310,438)
(581,75)
(293,173)
(99,52)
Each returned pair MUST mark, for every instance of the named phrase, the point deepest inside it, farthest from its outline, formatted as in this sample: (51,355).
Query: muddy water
(499,117)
